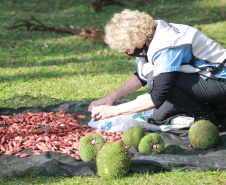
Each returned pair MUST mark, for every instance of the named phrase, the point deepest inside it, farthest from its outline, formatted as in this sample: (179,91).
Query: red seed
(5,117)
(3,149)
(62,135)
(24,155)
(67,169)
(22,107)
(36,153)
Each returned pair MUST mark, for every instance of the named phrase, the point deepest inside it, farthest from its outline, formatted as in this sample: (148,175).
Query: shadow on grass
(96,67)
(29,101)
(75,13)
(180,11)
(184,11)
(60,54)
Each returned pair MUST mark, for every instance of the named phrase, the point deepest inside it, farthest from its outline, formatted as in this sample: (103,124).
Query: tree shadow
(186,12)
(98,66)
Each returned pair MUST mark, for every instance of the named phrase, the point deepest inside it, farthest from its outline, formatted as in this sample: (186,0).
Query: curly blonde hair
(128,29)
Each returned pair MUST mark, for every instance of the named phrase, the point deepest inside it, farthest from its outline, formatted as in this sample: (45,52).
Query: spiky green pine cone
(133,135)
(204,134)
(113,160)
(88,146)
(152,144)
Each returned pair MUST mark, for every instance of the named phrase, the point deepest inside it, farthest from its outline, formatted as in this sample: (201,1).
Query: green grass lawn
(45,68)
(169,178)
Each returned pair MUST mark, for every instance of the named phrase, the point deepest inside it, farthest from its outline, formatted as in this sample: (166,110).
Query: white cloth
(175,35)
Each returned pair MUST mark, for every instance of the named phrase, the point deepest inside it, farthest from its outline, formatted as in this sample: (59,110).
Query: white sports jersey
(171,35)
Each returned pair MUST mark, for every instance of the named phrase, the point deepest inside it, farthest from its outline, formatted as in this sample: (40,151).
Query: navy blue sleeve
(161,87)
(142,81)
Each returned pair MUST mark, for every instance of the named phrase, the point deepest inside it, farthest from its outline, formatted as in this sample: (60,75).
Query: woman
(179,63)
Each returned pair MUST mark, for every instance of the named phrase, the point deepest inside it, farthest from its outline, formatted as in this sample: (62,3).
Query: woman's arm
(141,103)
(156,96)
(128,87)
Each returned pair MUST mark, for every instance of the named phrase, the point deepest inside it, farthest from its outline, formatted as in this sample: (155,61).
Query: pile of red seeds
(46,131)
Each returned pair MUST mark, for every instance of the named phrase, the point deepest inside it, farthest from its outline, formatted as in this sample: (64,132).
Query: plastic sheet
(177,156)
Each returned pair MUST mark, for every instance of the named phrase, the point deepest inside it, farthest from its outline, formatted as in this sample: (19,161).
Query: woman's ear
(147,42)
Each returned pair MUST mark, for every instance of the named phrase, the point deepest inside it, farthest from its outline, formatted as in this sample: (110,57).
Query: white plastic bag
(118,123)
(123,122)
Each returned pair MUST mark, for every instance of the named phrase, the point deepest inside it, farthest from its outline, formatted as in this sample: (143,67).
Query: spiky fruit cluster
(133,135)
(204,134)
(152,144)
(113,160)
(88,146)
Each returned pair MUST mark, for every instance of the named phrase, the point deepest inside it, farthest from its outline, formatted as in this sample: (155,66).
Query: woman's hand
(104,111)
(107,100)
(129,86)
